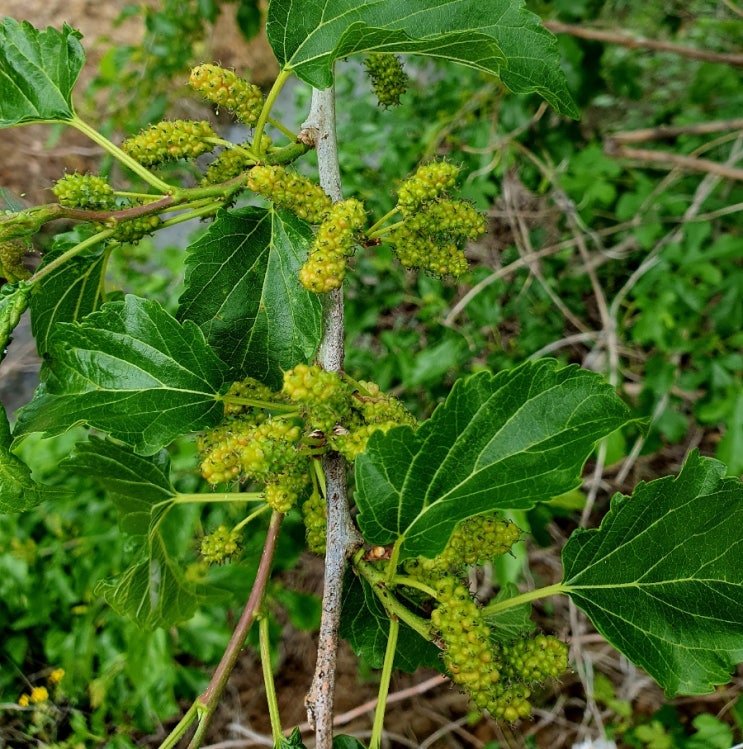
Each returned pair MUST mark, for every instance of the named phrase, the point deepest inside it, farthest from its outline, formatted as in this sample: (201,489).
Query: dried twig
(672,131)
(687,163)
(640,42)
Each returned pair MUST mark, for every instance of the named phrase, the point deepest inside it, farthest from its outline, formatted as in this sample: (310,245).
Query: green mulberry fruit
(292,191)
(226,89)
(88,191)
(170,141)
(389,80)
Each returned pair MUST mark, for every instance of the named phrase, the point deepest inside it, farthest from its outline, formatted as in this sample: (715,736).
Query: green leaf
(293,742)
(130,370)
(502,442)
(510,623)
(662,578)
(499,36)
(38,70)
(14,299)
(153,593)
(365,624)
(346,742)
(134,483)
(242,289)
(69,293)
(18,491)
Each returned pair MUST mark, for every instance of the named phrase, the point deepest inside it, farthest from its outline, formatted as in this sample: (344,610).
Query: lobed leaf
(662,578)
(38,70)
(137,485)
(243,291)
(69,293)
(499,37)
(154,592)
(130,370)
(14,299)
(18,490)
(502,442)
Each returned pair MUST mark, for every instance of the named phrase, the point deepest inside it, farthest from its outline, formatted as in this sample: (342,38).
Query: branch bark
(342,538)
(639,42)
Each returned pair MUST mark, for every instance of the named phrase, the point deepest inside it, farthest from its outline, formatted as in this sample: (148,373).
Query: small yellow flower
(23,700)
(39,694)
(56,676)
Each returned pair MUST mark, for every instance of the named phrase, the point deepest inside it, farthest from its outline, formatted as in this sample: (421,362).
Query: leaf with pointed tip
(502,442)
(154,592)
(137,485)
(69,293)
(130,370)
(38,70)
(662,577)
(365,624)
(18,491)
(14,300)
(243,290)
(499,36)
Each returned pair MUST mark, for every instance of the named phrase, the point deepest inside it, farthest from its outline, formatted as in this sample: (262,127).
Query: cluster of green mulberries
(468,655)
(242,449)
(87,191)
(474,541)
(498,677)
(334,242)
(284,489)
(534,659)
(435,227)
(371,411)
(226,89)
(170,141)
(246,390)
(431,181)
(315,516)
(388,79)
(221,545)
(134,229)
(12,252)
(323,396)
(229,164)
(289,190)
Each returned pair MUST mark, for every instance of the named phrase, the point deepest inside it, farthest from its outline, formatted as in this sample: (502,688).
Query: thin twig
(211,696)
(342,538)
(671,131)
(687,163)
(639,42)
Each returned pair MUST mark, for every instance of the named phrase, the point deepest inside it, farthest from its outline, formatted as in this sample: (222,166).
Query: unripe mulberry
(221,545)
(84,191)
(448,218)
(12,268)
(315,515)
(169,141)
(131,231)
(417,250)
(325,266)
(292,191)
(226,89)
(324,397)
(284,489)
(389,80)
(230,163)
(428,183)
